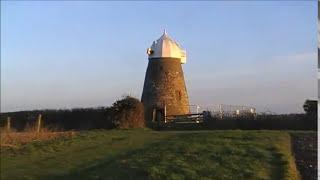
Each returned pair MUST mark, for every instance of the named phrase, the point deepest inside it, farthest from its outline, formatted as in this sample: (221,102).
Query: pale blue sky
(64,54)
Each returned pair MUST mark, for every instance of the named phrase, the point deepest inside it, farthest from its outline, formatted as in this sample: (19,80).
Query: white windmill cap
(165,47)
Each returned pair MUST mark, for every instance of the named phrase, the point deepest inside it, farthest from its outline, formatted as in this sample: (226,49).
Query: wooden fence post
(8,124)
(165,114)
(39,123)
(153,115)
(220,111)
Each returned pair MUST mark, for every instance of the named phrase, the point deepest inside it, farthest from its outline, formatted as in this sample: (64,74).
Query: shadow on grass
(190,156)
(115,167)
(279,166)
(304,147)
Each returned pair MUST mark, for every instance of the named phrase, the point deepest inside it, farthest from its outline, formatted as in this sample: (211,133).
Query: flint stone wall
(164,85)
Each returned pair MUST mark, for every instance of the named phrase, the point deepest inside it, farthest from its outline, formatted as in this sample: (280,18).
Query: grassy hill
(147,154)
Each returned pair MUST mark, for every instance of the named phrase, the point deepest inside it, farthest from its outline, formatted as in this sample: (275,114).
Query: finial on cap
(164,32)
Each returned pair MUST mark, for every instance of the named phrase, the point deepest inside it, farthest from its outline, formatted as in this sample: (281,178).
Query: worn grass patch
(18,139)
(146,154)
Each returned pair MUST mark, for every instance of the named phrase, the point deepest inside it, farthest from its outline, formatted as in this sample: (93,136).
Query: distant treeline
(101,118)
(270,122)
(128,113)
(124,113)
(77,119)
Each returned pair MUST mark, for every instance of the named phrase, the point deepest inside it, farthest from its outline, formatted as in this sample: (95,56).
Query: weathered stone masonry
(164,86)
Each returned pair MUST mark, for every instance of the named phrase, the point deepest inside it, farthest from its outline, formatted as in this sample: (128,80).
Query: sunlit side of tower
(164,85)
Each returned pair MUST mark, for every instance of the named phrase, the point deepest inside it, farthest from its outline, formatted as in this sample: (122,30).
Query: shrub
(311,109)
(128,113)
(310,106)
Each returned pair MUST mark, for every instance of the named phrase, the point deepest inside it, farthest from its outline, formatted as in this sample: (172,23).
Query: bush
(310,106)
(311,109)
(128,113)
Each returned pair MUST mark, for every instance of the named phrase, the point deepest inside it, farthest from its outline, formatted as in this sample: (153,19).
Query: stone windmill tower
(164,88)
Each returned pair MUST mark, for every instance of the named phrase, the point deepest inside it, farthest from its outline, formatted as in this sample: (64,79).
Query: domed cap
(165,47)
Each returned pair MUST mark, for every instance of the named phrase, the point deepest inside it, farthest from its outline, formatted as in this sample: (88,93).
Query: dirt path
(305,151)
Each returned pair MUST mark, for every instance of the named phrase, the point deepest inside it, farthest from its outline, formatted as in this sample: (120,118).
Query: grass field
(147,154)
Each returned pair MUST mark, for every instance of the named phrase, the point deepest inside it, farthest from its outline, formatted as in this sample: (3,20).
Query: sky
(64,54)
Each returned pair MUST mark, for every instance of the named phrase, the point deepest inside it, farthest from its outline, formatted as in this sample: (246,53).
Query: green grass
(146,154)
